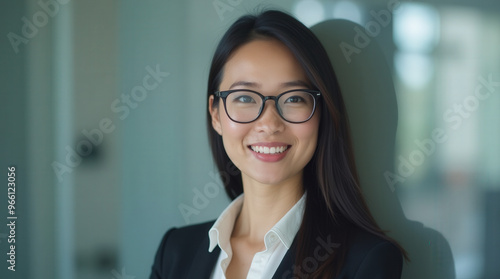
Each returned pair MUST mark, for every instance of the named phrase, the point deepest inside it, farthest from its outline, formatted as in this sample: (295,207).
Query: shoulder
(178,246)
(370,256)
(187,235)
(185,238)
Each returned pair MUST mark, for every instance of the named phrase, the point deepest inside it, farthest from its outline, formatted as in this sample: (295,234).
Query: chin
(268,178)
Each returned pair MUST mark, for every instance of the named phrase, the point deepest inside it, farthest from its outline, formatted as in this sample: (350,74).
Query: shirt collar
(224,225)
(285,229)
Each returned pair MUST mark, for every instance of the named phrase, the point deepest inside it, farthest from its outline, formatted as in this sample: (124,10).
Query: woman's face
(268,67)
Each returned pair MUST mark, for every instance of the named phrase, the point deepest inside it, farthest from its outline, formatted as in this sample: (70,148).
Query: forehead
(264,61)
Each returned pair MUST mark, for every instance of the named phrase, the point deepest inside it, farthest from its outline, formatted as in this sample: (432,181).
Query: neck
(264,205)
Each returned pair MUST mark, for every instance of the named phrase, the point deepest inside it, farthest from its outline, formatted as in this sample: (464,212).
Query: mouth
(269,149)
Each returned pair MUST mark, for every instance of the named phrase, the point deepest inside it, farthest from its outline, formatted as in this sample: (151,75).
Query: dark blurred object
(492,235)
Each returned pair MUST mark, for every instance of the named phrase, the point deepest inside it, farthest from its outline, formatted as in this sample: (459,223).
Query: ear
(214,113)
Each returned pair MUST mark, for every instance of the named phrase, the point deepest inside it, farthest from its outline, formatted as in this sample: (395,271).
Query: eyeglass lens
(295,106)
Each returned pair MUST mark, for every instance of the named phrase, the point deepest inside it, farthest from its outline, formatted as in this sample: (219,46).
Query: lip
(270,157)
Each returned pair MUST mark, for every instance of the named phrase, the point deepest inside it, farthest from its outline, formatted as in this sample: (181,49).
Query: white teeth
(269,150)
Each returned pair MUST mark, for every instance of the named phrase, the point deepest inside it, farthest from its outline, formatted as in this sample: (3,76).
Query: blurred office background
(131,77)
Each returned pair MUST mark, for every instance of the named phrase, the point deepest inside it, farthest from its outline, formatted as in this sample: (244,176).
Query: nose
(270,121)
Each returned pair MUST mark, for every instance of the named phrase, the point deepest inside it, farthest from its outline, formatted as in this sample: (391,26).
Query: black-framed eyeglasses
(245,105)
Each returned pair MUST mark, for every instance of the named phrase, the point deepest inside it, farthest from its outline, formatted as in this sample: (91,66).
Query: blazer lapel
(203,262)
(286,266)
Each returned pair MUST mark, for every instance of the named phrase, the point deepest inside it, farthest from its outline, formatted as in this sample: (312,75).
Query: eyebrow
(257,85)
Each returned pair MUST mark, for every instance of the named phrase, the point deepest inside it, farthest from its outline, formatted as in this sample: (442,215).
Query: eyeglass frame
(223,95)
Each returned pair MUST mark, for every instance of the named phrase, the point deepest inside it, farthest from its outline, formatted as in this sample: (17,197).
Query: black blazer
(183,254)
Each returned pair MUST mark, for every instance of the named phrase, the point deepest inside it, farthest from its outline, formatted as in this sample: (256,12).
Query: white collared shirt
(277,240)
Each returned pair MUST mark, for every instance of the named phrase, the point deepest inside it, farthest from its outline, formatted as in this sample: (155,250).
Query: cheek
(309,132)
(232,133)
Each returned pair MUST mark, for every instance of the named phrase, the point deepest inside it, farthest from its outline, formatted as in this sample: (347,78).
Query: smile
(269,150)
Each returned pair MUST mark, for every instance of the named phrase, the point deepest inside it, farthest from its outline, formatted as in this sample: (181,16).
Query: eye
(295,99)
(244,99)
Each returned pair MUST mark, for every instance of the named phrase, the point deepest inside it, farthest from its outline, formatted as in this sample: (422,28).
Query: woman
(275,111)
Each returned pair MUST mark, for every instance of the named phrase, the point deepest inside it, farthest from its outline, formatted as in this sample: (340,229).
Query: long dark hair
(334,204)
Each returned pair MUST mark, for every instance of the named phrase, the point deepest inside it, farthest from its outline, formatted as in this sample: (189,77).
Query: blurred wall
(13,142)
